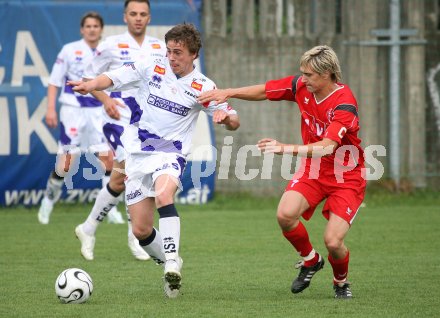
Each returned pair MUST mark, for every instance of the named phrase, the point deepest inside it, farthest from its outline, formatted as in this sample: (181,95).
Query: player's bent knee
(333,243)
(287,218)
(141,233)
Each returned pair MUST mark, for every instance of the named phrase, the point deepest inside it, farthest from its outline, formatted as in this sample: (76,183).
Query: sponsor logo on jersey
(158,86)
(123,45)
(190,94)
(125,55)
(196,86)
(156,46)
(156,78)
(316,126)
(78,56)
(155,81)
(330,115)
(159,70)
(168,105)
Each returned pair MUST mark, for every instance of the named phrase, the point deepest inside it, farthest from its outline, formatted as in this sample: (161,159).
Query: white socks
(154,246)
(53,189)
(170,230)
(104,202)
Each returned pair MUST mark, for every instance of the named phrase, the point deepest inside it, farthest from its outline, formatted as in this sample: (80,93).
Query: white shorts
(143,170)
(113,130)
(81,130)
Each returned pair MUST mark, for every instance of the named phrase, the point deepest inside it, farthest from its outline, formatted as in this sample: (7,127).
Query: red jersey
(335,117)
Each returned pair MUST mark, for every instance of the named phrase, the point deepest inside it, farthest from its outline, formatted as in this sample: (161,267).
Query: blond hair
(322,59)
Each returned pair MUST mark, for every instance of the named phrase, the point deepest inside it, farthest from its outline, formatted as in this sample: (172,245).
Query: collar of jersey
(179,77)
(316,101)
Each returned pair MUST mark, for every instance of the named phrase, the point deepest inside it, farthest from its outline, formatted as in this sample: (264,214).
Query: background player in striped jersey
(159,140)
(329,129)
(80,116)
(112,53)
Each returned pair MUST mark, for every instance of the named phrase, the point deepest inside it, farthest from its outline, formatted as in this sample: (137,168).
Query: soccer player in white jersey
(112,53)
(159,140)
(80,116)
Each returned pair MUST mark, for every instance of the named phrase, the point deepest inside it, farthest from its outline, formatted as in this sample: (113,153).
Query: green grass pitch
(236,263)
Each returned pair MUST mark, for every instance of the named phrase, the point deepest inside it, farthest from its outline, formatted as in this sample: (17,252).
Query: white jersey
(116,51)
(168,107)
(69,65)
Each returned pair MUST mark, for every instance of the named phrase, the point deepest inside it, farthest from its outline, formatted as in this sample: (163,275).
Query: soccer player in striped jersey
(80,116)
(159,139)
(329,129)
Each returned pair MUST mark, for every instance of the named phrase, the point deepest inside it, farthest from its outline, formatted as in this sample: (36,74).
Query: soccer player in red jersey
(331,169)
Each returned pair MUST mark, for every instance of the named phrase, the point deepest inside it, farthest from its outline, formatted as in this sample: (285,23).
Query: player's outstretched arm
(255,92)
(99,83)
(321,148)
(231,121)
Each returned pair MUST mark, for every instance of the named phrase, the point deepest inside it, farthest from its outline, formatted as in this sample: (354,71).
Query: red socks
(312,261)
(340,268)
(299,238)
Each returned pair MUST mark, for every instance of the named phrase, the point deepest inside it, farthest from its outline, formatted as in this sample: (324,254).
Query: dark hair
(144,1)
(187,34)
(93,15)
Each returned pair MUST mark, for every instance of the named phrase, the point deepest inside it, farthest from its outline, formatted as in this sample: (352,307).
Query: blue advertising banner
(31,35)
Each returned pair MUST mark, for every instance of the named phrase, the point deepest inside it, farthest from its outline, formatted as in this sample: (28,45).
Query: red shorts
(342,199)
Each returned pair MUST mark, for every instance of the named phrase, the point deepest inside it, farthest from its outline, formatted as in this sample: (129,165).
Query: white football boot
(173,277)
(45,210)
(87,243)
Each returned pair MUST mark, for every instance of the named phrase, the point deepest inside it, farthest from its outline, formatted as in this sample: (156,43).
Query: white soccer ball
(73,286)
